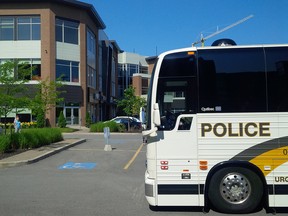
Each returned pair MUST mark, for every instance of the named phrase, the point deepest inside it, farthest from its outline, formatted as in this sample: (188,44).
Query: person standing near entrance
(15,120)
(17,124)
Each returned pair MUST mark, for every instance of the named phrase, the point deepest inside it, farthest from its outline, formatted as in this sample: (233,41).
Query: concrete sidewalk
(34,155)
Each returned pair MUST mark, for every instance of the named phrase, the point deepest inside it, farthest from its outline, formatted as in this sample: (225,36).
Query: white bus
(217,128)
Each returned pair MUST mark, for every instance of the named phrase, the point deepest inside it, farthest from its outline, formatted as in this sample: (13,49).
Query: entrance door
(72,115)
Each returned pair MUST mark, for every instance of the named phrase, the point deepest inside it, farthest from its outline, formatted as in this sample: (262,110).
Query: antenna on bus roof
(203,39)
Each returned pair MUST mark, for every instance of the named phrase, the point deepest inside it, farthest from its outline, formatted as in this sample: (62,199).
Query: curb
(42,156)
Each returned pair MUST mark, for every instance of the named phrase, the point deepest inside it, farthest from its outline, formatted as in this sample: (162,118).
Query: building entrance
(72,115)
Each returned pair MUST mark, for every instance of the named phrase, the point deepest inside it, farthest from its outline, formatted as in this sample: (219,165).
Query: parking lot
(84,180)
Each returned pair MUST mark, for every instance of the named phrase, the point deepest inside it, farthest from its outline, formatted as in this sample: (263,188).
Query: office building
(63,38)
(133,70)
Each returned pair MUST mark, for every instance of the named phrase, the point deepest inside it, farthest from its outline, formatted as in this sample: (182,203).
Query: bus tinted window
(176,88)
(178,65)
(277,74)
(232,80)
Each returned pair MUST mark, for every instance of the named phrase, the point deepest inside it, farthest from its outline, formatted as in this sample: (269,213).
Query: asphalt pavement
(59,186)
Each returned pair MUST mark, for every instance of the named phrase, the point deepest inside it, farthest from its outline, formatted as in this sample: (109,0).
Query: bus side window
(185,123)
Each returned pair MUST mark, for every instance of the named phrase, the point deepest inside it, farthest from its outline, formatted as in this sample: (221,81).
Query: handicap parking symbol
(72,165)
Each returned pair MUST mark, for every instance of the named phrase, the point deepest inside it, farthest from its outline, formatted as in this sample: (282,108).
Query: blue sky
(149,27)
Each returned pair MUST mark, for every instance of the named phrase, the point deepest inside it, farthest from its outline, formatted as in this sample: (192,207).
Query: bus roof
(221,47)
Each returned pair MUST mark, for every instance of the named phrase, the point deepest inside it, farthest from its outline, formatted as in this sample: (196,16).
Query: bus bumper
(150,190)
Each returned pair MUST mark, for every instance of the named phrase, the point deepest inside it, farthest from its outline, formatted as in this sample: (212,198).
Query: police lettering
(250,129)
(281,179)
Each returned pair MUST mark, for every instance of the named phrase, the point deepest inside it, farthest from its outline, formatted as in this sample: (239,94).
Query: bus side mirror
(156,115)
(156,122)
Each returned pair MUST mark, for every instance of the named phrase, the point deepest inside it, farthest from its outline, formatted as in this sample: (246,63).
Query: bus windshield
(176,88)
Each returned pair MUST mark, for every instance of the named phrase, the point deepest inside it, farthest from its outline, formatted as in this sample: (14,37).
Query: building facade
(133,70)
(62,39)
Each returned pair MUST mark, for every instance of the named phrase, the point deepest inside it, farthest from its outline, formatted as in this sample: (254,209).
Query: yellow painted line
(133,158)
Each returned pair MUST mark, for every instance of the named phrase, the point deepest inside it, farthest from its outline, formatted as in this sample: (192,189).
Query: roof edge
(86,6)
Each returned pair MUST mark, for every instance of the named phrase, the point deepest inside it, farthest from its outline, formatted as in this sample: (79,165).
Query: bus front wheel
(235,190)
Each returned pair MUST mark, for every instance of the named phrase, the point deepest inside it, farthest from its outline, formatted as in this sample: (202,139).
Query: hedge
(29,138)
(114,127)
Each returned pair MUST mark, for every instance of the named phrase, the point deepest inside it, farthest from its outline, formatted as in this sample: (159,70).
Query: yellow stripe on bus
(270,160)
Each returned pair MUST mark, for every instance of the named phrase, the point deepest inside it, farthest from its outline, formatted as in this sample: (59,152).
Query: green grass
(67,130)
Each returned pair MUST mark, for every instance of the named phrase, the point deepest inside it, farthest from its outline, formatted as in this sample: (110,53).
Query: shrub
(14,140)
(88,120)
(61,120)
(98,127)
(40,120)
(114,127)
(121,128)
(30,138)
(44,136)
(5,144)
(55,134)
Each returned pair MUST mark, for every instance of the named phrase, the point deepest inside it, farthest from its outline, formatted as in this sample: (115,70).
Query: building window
(91,77)
(144,69)
(100,87)
(20,28)
(132,68)
(91,42)
(67,71)
(28,28)
(67,31)
(145,84)
(113,78)
(6,28)
(33,64)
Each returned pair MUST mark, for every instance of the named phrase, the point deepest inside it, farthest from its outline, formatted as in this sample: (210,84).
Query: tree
(88,119)
(131,103)
(45,99)
(13,76)
(61,120)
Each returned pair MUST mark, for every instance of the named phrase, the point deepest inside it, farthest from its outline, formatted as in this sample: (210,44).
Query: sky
(150,27)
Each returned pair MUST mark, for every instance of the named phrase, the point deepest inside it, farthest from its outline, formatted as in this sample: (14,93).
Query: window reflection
(67,31)
(20,28)
(67,70)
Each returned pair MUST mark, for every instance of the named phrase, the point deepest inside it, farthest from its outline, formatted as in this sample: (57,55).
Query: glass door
(68,116)
(75,116)
(72,115)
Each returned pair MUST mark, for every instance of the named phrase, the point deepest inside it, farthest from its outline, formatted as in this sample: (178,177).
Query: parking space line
(126,167)
(102,149)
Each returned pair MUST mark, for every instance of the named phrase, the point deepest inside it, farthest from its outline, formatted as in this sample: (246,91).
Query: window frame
(31,24)
(64,28)
(69,68)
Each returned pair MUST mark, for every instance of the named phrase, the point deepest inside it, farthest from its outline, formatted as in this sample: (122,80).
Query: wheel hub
(235,188)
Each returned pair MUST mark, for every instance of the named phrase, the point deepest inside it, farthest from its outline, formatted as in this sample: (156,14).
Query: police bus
(217,128)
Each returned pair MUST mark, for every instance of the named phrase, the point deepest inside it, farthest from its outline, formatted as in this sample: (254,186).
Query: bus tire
(235,190)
